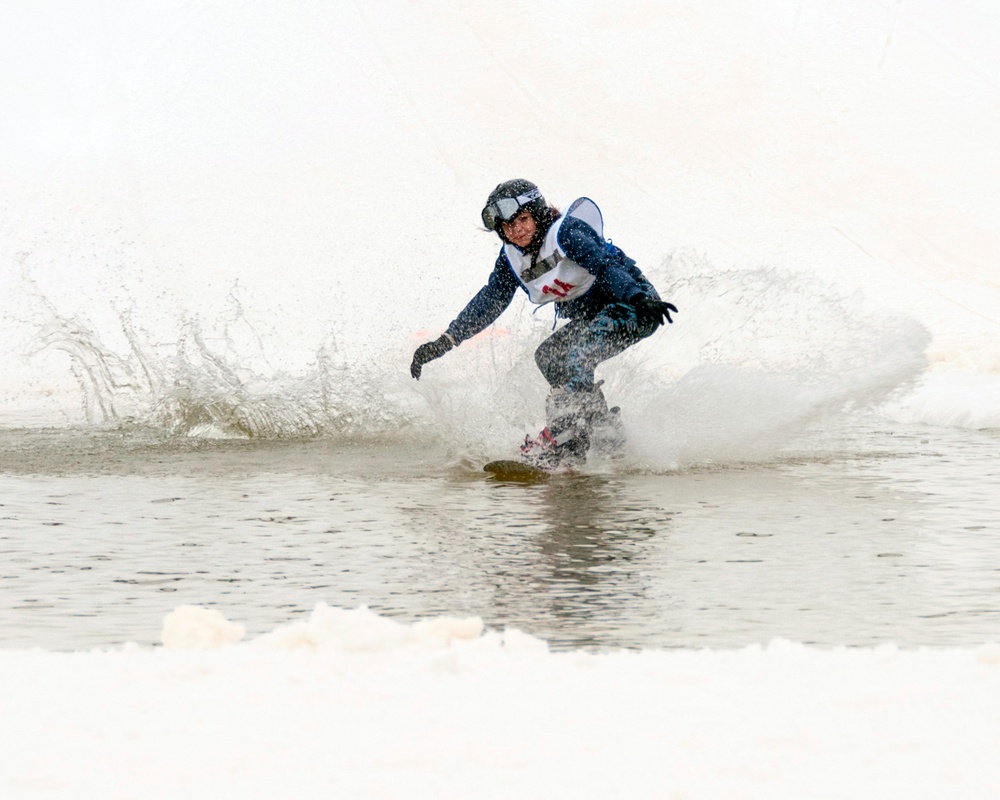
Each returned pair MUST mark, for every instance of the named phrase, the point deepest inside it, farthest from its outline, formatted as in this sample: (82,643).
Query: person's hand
(428,352)
(649,310)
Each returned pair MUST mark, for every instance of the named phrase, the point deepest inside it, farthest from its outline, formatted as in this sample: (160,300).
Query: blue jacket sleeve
(615,271)
(488,304)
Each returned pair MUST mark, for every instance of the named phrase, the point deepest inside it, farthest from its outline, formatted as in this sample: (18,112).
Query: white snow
(351,704)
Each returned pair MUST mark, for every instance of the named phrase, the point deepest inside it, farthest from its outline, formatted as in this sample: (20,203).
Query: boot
(565,440)
(604,425)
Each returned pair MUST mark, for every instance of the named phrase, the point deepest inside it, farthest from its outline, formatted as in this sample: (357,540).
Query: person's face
(521,229)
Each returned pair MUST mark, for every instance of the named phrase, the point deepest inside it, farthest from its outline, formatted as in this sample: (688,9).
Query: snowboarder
(562,259)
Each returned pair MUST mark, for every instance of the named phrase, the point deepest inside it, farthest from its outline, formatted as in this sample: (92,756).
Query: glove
(649,310)
(428,352)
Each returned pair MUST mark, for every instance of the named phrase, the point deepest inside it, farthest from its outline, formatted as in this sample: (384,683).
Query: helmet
(507,200)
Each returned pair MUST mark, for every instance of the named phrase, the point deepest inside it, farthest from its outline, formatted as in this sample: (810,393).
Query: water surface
(879,536)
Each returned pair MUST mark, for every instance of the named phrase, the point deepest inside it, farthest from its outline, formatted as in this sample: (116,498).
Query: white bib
(552,277)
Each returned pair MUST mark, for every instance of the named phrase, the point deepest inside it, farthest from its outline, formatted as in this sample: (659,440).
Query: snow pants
(569,356)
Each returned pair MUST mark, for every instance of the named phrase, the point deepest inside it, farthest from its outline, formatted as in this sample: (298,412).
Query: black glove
(649,310)
(428,352)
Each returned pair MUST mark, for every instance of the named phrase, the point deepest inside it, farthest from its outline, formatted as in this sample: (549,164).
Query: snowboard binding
(579,422)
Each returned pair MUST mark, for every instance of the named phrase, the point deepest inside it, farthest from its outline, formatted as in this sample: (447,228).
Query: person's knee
(550,365)
(542,357)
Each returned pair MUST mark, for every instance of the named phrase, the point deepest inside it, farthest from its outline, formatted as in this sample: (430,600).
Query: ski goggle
(506,208)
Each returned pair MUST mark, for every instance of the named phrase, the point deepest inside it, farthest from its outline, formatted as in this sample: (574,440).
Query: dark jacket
(619,280)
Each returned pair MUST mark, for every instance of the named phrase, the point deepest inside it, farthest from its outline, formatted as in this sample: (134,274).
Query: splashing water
(774,354)
(205,386)
(756,357)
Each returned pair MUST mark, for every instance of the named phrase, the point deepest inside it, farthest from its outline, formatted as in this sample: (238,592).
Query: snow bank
(350,704)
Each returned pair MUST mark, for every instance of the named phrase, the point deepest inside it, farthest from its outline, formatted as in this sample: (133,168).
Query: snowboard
(510,470)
